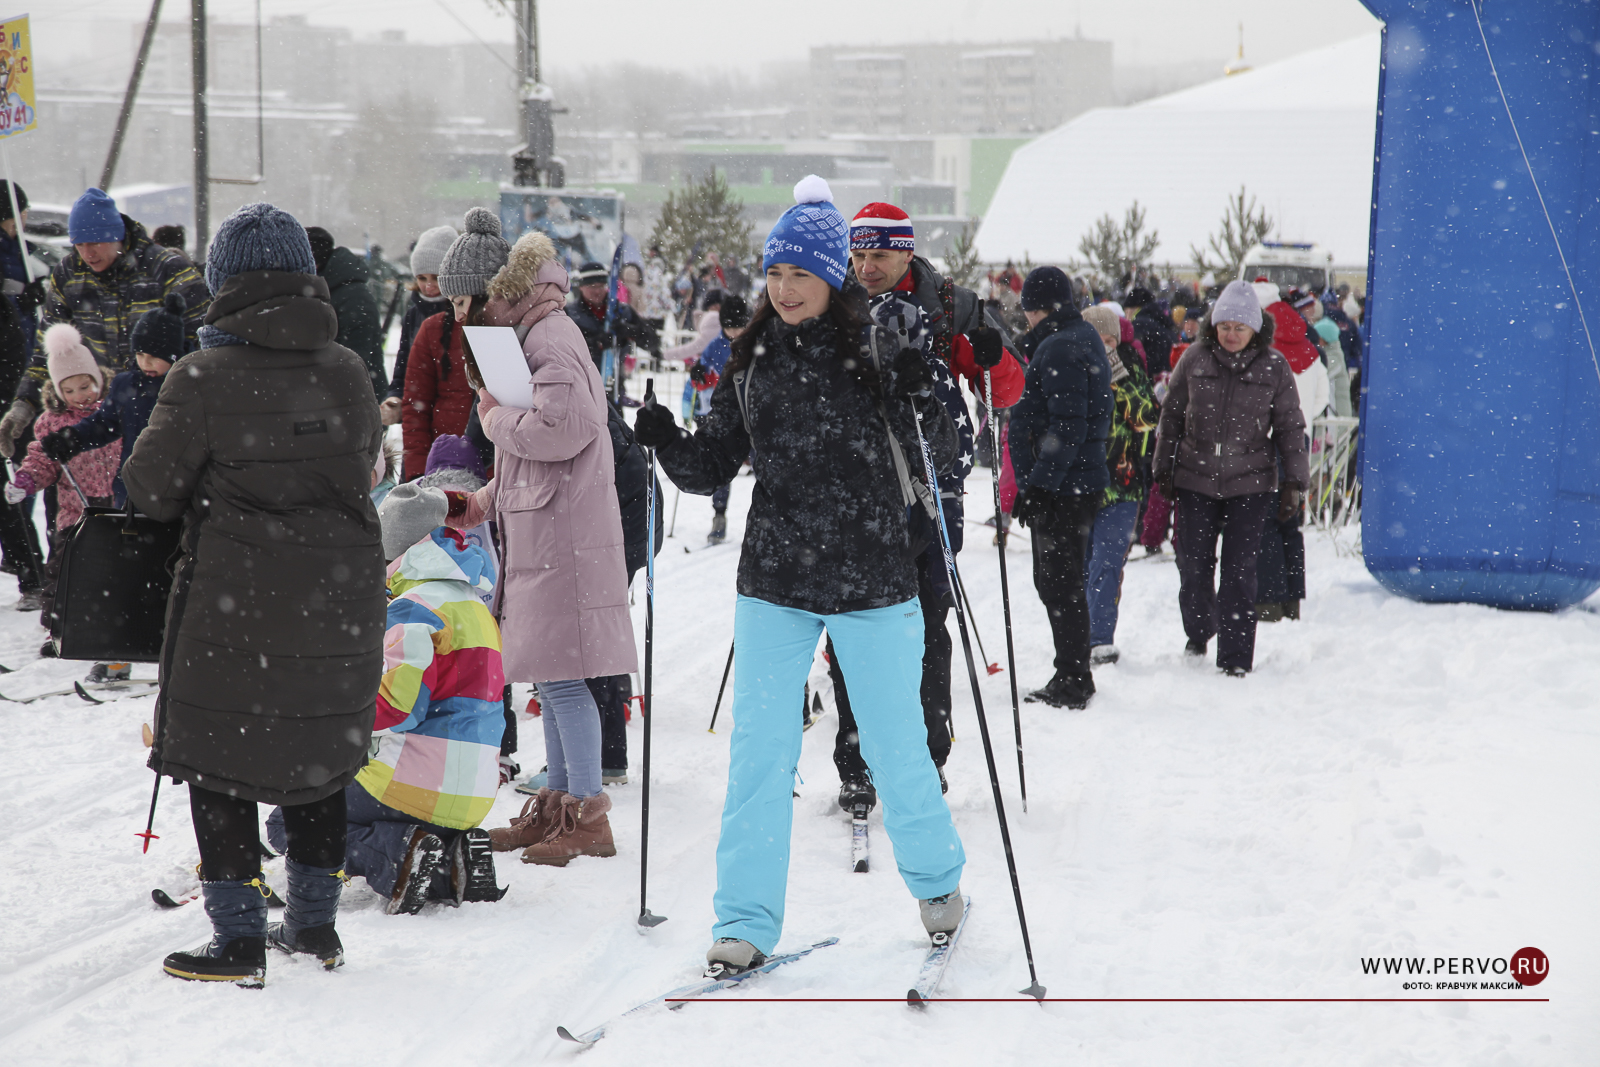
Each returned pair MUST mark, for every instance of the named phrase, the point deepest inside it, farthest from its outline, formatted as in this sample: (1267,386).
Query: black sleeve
(703,462)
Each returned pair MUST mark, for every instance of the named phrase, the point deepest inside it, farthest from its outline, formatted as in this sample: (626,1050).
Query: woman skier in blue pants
(829,543)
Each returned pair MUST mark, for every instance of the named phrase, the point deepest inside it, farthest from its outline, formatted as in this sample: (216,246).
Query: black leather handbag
(111,595)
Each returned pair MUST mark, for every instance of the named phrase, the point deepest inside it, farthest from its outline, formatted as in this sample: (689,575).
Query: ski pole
(1005,585)
(646,711)
(989,665)
(149,823)
(1034,989)
(718,705)
(673,525)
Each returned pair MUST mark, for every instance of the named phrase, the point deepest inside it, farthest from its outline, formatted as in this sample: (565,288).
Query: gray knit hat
(408,514)
(1238,303)
(258,237)
(475,257)
(430,249)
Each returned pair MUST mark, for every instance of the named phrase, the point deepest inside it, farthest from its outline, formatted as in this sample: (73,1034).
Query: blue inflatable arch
(1481,455)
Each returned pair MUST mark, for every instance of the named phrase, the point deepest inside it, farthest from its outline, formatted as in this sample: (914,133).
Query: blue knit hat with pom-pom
(258,237)
(812,235)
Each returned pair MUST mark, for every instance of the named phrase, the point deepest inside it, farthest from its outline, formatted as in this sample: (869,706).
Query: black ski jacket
(828,526)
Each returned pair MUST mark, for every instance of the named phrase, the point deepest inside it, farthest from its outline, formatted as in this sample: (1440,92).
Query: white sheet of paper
(499,356)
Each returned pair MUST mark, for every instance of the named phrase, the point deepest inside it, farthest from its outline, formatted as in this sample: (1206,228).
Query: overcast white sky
(693,34)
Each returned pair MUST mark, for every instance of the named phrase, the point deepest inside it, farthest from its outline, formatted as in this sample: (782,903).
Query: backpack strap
(741,391)
(911,490)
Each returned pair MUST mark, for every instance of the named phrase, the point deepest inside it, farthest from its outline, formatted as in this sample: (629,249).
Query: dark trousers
(19,539)
(508,737)
(1229,611)
(229,836)
(376,839)
(1060,546)
(611,695)
(934,598)
(719,497)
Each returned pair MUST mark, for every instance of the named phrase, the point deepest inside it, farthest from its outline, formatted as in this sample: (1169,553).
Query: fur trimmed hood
(532,262)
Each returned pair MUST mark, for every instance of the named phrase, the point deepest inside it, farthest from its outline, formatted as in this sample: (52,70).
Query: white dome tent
(1298,134)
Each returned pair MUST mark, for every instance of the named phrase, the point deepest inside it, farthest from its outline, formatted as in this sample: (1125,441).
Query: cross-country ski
(677,997)
(937,961)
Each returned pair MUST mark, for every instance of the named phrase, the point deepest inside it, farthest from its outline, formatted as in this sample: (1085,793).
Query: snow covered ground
(1395,780)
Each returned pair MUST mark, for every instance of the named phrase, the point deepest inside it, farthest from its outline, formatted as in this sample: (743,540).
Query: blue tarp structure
(1481,459)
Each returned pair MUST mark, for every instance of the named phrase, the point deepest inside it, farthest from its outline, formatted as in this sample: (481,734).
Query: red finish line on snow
(1110,1000)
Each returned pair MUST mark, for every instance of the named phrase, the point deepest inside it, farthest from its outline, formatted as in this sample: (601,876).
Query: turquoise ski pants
(880,652)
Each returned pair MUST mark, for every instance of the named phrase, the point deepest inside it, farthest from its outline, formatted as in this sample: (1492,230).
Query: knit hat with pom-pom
(474,257)
(159,331)
(812,235)
(67,356)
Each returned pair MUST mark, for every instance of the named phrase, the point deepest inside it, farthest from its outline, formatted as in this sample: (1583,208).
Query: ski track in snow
(1395,779)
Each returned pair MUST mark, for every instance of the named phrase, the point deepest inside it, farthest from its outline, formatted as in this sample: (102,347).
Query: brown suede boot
(580,829)
(539,814)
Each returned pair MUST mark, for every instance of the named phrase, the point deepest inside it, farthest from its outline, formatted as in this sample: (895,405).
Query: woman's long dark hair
(847,310)
(474,318)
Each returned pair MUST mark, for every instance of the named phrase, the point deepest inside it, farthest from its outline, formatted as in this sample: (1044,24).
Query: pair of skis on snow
(929,975)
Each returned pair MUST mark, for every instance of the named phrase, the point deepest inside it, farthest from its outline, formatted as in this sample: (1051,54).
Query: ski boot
(1103,655)
(423,856)
(941,916)
(307,924)
(857,796)
(110,672)
(730,956)
(237,951)
(719,528)
(1063,692)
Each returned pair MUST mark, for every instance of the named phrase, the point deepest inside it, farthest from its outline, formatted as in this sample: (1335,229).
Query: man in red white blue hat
(884,260)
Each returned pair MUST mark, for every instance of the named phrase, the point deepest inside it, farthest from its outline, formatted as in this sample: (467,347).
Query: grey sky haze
(697,34)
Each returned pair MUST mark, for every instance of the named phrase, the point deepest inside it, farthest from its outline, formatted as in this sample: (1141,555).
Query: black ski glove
(61,445)
(911,374)
(697,373)
(1031,505)
(654,426)
(986,348)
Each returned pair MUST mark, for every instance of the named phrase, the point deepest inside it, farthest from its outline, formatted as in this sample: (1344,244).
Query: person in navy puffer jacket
(1058,450)
(158,342)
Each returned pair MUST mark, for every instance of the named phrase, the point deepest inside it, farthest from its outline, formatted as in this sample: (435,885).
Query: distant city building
(923,89)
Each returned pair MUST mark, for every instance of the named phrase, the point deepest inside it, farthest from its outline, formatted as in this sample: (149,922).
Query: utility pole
(534,162)
(202,164)
(127,99)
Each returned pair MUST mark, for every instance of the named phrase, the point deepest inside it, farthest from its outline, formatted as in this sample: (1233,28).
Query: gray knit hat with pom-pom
(474,257)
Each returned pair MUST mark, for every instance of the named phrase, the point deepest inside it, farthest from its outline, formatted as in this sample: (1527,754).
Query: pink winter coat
(564,585)
(95,471)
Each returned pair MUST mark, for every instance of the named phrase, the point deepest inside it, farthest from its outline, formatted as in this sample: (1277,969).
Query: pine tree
(702,217)
(1115,250)
(961,263)
(1243,226)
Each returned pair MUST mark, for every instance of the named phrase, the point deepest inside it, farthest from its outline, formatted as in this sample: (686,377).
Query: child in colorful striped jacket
(414,810)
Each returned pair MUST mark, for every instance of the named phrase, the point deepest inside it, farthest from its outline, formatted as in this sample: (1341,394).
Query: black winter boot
(237,951)
(471,861)
(313,905)
(424,853)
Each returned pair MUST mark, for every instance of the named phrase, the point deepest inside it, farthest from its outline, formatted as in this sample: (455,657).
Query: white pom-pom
(812,189)
(61,339)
